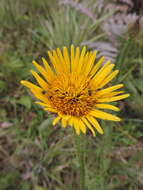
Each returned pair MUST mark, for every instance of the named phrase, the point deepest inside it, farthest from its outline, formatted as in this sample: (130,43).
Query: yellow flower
(71,87)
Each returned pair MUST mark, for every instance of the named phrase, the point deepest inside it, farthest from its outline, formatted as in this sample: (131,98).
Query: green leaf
(2,85)
(25,101)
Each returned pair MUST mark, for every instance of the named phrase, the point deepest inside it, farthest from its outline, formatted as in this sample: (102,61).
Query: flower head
(71,87)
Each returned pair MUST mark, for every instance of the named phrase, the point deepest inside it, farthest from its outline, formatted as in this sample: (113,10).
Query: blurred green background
(34,155)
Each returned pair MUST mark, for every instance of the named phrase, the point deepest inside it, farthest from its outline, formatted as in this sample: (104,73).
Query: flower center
(70,95)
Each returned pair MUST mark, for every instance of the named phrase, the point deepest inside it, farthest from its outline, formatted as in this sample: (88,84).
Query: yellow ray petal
(50,110)
(109,89)
(30,85)
(56,120)
(80,63)
(82,126)
(58,62)
(66,58)
(104,115)
(88,125)
(89,63)
(72,57)
(57,67)
(111,94)
(40,96)
(42,71)
(97,66)
(104,67)
(115,98)
(107,106)
(108,95)
(101,75)
(47,67)
(41,82)
(70,121)
(76,60)
(108,79)
(44,104)
(87,57)
(75,124)
(64,65)
(65,120)
(94,122)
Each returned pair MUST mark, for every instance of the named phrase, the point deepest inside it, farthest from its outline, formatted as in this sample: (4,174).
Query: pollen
(69,97)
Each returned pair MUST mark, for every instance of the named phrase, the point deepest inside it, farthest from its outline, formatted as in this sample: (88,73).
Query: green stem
(80,151)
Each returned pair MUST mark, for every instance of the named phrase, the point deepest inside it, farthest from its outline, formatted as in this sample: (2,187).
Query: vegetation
(34,155)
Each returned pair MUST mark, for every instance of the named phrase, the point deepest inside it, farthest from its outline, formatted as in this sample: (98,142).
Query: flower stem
(80,152)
